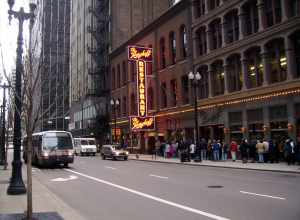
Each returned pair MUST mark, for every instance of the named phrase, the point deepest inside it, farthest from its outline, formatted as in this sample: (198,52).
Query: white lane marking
(255,194)
(112,168)
(64,179)
(161,177)
(186,208)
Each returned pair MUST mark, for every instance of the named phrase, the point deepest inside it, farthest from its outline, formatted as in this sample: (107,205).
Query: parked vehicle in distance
(85,146)
(114,152)
(50,148)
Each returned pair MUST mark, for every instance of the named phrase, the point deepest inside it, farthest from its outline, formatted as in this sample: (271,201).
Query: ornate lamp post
(115,103)
(195,79)
(16,185)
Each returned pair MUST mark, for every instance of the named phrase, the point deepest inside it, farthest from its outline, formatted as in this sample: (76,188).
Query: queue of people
(261,151)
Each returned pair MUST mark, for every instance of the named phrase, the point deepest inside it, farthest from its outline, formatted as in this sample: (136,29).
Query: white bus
(51,148)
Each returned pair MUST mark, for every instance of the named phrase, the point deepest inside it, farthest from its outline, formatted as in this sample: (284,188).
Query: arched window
(201,41)
(212,4)
(163,92)
(133,104)
(251,17)
(216,33)
(124,107)
(234,73)
(296,47)
(172,43)
(185,89)
(118,76)
(183,41)
(278,60)
(150,97)
(199,8)
(217,77)
(272,11)
(162,49)
(232,26)
(255,67)
(203,84)
(294,7)
(124,70)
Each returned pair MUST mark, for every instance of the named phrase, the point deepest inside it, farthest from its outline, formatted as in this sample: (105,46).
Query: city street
(110,190)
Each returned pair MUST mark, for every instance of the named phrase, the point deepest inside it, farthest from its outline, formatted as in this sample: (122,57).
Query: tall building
(89,90)
(50,45)
(248,55)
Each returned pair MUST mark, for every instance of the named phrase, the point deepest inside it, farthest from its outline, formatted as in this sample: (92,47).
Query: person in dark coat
(244,148)
(289,149)
(272,151)
(252,150)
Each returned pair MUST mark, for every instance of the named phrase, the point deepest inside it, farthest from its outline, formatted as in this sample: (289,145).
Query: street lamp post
(3,155)
(16,185)
(195,79)
(114,103)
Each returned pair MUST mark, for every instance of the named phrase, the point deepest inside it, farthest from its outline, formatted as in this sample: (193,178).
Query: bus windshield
(57,141)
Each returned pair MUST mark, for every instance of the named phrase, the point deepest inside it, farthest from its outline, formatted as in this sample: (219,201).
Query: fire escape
(99,50)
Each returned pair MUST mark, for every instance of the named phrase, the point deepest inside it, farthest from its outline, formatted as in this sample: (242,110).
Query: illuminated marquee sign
(142,123)
(141,55)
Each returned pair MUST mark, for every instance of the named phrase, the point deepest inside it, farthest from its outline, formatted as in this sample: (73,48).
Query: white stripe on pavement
(161,177)
(255,194)
(112,168)
(186,208)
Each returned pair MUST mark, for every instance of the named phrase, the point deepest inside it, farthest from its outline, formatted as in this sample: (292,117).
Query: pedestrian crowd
(259,150)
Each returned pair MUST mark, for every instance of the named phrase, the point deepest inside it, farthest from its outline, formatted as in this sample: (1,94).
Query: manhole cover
(215,186)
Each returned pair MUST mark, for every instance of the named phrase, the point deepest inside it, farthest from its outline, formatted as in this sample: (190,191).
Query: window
(251,17)
(149,65)
(203,84)
(277,60)
(124,106)
(163,91)
(272,12)
(232,26)
(234,73)
(294,7)
(133,71)
(133,105)
(296,43)
(212,4)
(118,76)
(113,78)
(218,78)
(173,84)
(184,41)
(124,70)
(150,97)
(199,8)
(162,48)
(255,67)
(172,42)
(185,89)
(216,33)
(201,41)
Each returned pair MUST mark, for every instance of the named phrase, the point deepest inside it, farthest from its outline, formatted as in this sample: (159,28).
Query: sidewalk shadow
(37,216)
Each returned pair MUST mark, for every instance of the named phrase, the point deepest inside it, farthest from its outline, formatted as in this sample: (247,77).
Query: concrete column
(261,15)
(266,118)
(266,64)
(224,34)
(284,10)
(208,39)
(226,73)
(210,83)
(242,24)
(290,56)
(291,119)
(245,72)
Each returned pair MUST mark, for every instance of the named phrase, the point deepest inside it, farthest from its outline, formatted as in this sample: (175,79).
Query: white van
(85,146)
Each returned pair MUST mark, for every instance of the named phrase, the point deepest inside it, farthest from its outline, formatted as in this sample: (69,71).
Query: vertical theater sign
(142,56)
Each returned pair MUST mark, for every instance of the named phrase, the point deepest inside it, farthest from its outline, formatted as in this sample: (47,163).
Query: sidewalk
(275,167)
(46,205)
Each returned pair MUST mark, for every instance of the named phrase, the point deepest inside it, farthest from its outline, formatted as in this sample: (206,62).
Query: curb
(222,167)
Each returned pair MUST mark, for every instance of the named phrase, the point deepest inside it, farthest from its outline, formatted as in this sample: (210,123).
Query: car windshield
(92,142)
(57,141)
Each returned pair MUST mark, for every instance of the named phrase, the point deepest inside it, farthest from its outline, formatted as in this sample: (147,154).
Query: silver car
(114,152)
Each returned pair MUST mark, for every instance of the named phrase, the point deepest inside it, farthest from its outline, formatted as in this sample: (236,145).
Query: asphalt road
(136,190)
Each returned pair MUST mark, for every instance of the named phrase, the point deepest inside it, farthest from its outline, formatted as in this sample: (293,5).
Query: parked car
(114,152)
(85,146)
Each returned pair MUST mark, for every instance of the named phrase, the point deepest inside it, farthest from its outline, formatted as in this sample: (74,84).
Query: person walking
(289,149)
(233,150)
(252,150)
(203,148)
(244,148)
(272,151)
(260,150)
(216,150)
(266,152)
(156,148)
(192,150)
(224,151)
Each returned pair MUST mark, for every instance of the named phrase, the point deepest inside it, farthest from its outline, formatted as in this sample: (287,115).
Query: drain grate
(215,186)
